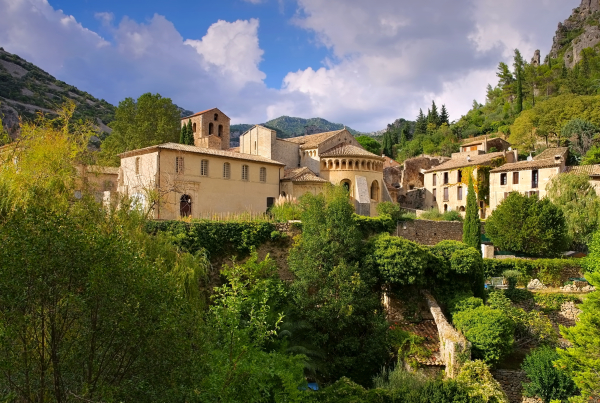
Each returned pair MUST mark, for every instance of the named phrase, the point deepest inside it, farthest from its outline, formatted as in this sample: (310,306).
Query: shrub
(433,215)
(545,380)
(541,229)
(374,225)
(480,384)
(553,301)
(466,304)
(452,215)
(286,208)
(489,330)
(400,261)
(547,270)
(512,276)
(390,209)
(457,269)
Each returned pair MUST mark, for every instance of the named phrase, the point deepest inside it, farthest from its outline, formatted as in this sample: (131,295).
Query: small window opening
(245,172)
(216,117)
(263,174)
(220,131)
(210,128)
(185,206)
(226,170)
(179,165)
(204,168)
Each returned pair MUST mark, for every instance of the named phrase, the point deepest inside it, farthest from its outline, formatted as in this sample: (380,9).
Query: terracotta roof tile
(551,153)
(301,175)
(591,170)
(350,151)
(202,113)
(205,151)
(313,140)
(461,162)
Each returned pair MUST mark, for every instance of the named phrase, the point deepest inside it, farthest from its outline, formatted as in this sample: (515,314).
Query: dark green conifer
(472,225)
(519,65)
(444,118)
(421,124)
(433,116)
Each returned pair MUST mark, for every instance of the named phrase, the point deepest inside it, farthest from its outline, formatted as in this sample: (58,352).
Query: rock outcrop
(577,32)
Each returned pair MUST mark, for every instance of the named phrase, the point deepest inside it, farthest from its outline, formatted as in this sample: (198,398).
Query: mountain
(26,89)
(581,30)
(288,127)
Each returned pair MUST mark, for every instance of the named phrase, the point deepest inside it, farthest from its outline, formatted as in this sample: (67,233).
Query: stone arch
(350,164)
(363,165)
(337,164)
(323,164)
(194,127)
(357,164)
(216,117)
(211,128)
(343,164)
(462,209)
(368,165)
(347,184)
(329,164)
(375,190)
(220,134)
(185,206)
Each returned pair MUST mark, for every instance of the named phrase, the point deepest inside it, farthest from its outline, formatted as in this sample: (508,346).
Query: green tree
(330,283)
(4,137)
(369,144)
(480,383)
(399,261)
(519,65)
(421,123)
(545,380)
(433,115)
(444,117)
(472,225)
(147,121)
(581,135)
(542,230)
(592,157)
(186,135)
(580,205)
(489,330)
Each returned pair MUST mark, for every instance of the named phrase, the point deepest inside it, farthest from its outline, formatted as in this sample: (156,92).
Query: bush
(553,301)
(480,384)
(452,215)
(374,225)
(489,330)
(457,269)
(286,208)
(435,215)
(512,276)
(541,229)
(390,209)
(545,380)
(400,261)
(466,304)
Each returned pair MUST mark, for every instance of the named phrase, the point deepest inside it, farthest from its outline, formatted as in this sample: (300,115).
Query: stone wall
(430,232)
(511,382)
(454,347)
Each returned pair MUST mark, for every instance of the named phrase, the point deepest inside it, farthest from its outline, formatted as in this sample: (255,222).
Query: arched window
(263,174)
(220,130)
(283,194)
(347,184)
(375,191)
(216,117)
(368,165)
(226,170)
(211,128)
(185,206)
(343,164)
(350,164)
(245,172)
(194,127)
(337,164)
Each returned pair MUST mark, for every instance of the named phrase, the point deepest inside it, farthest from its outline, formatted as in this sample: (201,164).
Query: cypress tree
(421,124)
(518,65)
(190,134)
(183,135)
(472,226)
(434,117)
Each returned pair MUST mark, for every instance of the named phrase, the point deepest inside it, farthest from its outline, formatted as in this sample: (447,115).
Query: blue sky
(363,63)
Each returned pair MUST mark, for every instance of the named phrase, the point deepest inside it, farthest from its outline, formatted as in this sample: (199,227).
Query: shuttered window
(263,174)
(226,170)
(204,168)
(245,172)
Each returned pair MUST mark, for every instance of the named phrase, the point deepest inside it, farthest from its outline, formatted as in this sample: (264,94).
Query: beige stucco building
(526,177)
(446,184)
(174,180)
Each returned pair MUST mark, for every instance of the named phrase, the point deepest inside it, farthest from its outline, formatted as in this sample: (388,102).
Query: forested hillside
(533,104)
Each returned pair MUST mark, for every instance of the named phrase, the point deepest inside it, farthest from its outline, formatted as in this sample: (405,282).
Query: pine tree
(519,65)
(403,137)
(444,117)
(433,116)
(421,124)
(472,226)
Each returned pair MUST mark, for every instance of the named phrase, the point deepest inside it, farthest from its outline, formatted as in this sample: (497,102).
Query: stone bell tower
(210,128)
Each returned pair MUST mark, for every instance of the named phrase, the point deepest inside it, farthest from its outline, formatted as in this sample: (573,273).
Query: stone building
(209,177)
(527,177)
(592,171)
(446,184)
(484,144)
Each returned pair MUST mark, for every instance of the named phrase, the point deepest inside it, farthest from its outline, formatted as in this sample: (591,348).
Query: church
(174,180)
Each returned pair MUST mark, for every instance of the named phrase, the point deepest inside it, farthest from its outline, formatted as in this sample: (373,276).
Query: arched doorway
(375,191)
(185,206)
(347,184)
(445,208)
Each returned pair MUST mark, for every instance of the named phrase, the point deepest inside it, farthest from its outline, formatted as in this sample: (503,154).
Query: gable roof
(526,165)
(301,175)
(590,170)
(204,151)
(551,153)
(349,150)
(461,162)
(313,140)
(203,112)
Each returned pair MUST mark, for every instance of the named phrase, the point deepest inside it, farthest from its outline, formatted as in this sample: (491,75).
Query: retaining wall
(430,232)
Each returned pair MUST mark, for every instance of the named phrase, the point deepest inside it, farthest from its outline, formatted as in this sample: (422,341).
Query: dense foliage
(528,225)
(545,380)
(147,121)
(369,144)
(548,271)
(580,205)
(399,261)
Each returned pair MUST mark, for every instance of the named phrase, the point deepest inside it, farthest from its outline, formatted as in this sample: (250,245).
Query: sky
(363,63)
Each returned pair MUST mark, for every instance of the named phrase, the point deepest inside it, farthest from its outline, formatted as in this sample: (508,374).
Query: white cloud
(387,58)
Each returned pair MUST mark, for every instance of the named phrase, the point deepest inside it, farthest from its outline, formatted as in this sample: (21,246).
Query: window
(503,179)
(220,131)
(216,117)
(446,178)
(375,191)
(263,174)
(434,195)
(534,178)
(459,193)
(226,170)
(434,179)
(211,128)
(204,168)
(194,127)
(459,176)
(179,165)
(245,172)
(137,165)
(270,202)
(446,193)
(185,206)
(515,178)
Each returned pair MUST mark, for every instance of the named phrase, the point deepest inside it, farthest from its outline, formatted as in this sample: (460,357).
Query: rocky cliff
(581,30)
